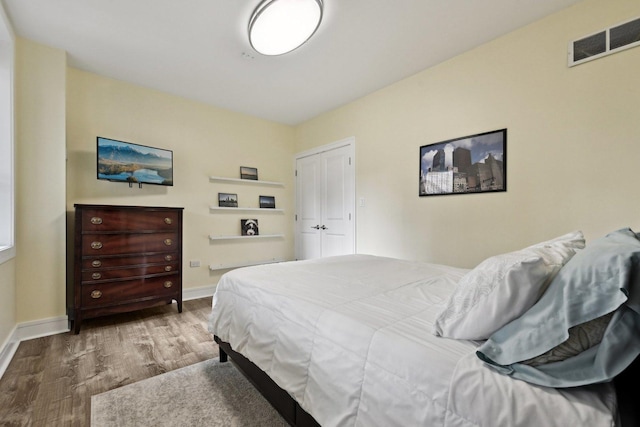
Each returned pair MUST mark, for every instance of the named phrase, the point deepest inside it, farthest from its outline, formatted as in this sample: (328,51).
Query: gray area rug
(208,393)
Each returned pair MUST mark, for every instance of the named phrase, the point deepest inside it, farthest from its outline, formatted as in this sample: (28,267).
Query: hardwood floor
(50,380)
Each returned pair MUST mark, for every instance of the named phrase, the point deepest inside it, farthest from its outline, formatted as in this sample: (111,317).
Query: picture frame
(248,173)
(249,227)
(469,164)
(267,202)
(227,200)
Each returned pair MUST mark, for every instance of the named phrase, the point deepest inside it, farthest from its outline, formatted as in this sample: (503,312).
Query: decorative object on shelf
(267,202)
(227,200)
(248,173)
(249,227)
(471,164)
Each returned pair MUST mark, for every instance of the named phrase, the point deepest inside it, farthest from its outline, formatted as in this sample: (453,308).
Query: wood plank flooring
(50,380)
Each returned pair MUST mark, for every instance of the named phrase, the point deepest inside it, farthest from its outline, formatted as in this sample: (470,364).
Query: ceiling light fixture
(280,26)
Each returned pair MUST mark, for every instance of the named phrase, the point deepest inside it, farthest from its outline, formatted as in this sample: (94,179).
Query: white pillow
(502,288)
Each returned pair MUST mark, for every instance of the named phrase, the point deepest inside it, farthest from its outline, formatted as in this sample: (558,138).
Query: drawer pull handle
(96,294)
(167,268)
(168,257)
(96,263)
(96,276)
(96,220)
(168,221)
(168,242)
(96,245)
(168,284)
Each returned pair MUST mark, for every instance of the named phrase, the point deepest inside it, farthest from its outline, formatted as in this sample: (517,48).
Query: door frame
(349,142)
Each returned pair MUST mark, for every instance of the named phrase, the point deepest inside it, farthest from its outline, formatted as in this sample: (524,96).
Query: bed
(362,340)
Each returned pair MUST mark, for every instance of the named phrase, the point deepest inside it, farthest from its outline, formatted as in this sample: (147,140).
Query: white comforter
(350,339)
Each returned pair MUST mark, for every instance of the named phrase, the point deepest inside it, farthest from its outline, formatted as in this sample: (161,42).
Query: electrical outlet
(194,263)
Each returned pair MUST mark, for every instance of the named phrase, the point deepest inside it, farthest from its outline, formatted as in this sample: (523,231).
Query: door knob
(323,227)
(317,227)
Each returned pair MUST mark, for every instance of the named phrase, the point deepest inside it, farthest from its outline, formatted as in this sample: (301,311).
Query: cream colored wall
(205,141)
(40,181)
(572,153)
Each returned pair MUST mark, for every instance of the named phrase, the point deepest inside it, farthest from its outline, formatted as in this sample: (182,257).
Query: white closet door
(325,203)
(308,210)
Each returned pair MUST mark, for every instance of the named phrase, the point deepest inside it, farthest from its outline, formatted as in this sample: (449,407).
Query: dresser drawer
(99,294)
(111,244)
(124,219)
(99,262)
(137,271)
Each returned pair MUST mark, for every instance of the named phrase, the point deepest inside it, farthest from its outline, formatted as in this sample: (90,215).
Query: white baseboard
(195,293)
(57,325)
(26,331)
(7,350)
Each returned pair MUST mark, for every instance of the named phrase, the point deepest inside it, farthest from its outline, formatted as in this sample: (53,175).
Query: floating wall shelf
(265,210)
(214,267)
(246,181)
(260,236)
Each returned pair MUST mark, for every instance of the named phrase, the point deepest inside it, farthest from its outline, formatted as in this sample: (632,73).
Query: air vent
(605,42)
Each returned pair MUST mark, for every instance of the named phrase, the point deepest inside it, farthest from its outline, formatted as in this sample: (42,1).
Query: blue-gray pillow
(601,279)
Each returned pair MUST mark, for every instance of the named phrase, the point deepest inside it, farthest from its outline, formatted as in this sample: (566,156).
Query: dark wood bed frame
(625,383)
(279,399)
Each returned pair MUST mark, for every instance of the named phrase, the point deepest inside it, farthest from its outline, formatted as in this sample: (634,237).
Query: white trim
(7,351)
(42,328)
(195,293)
(351,141)
(7,236)
(27,331)
(7,253)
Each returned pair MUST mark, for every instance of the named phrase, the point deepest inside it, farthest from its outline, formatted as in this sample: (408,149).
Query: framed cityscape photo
(470,164)
(249,227)
(248,173)
(227,200)
(267,202)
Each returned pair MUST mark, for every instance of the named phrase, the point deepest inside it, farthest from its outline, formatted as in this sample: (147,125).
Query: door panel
(325,201)
(308,192)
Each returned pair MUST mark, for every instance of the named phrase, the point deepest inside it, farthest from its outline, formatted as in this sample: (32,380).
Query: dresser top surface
(120,207)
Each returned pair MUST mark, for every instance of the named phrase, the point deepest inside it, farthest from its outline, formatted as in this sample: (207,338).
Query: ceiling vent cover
(605,42)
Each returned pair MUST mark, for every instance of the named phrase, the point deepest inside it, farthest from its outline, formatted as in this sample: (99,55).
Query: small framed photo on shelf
(249,227)
(248,173)
(267,202)
(227,200)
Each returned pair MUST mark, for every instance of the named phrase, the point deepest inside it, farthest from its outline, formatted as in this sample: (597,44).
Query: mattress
(350,339)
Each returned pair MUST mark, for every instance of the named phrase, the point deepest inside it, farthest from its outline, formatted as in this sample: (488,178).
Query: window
(7,44)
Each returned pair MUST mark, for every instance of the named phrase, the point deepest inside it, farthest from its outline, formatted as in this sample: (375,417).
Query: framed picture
(267,202)
(470,164)
(249,227)
(227,200)
(248,173)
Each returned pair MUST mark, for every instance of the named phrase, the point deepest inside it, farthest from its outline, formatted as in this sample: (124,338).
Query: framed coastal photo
(267,202)
(248,173)
(227,200)
(249,227)
(470,164)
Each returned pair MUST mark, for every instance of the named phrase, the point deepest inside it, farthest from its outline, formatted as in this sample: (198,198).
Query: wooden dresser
(125,258)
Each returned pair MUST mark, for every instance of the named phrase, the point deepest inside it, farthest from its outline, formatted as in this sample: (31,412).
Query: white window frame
(7,142)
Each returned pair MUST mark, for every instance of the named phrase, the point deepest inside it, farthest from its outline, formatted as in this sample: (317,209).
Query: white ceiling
(198,49)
